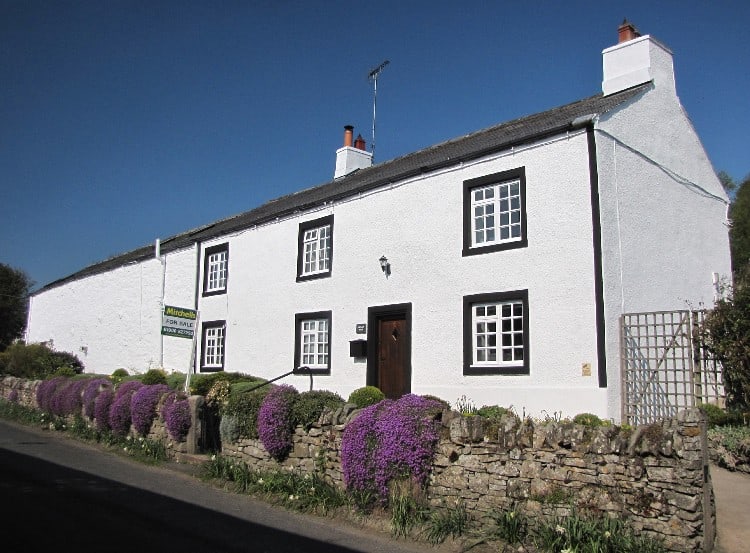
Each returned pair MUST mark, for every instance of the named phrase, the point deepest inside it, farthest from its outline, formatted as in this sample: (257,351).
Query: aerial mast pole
(373,76)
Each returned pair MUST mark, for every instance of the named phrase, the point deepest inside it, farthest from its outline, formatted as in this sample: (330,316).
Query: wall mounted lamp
(385,266)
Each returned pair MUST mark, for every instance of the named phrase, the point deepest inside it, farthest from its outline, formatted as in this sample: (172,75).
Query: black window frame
(206,254)
(298,320)
(304,226)
(468,302)
(205,326)
(468,217)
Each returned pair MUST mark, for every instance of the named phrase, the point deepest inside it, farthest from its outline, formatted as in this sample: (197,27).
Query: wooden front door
(390,367)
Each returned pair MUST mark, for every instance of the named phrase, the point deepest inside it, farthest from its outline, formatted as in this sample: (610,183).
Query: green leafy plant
(509,525)
(240,417)
(366,396)
(118,375)
(600,534)
(309,406)
(154,376)
(725,330)
(588,419)
(450,521)
(407,504)
(37,361)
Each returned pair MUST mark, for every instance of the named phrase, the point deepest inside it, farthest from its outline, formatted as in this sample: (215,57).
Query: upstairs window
(213,346)
(215,270)
(496,333)
(495,212)
(315,249)
(312,341)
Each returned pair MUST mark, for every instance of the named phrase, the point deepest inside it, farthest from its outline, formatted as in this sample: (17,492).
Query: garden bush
(200,384)
(390,440)
(240,417)
(36,361)
(154,376)
(588,419)
(45,393)
(310,405)
(275,424)
(366,396)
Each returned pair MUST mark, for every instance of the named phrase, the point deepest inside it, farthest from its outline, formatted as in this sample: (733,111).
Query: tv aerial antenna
(373,76)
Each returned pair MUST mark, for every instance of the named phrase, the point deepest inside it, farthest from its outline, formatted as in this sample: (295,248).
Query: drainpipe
(163,263)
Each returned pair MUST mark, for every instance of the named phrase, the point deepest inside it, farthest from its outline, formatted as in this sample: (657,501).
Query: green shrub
(366,396)
(493,414)
(243,386)
(154,376)
(36,361)
(118,375)
(176,381)
(310,405)
(588,419)
(241,412)
(719,417)
(66,371)
(200,384)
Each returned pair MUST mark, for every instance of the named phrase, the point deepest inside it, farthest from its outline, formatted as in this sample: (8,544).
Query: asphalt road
(60,493)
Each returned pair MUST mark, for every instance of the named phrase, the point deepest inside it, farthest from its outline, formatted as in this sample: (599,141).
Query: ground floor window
(496,337)
(214,335)
(312,341)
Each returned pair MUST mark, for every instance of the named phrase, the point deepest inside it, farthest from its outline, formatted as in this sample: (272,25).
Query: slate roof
(471,146)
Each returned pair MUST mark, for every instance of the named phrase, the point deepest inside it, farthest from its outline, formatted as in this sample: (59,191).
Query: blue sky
(122,122)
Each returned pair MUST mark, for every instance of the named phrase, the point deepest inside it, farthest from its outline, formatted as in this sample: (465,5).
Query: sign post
(181,323)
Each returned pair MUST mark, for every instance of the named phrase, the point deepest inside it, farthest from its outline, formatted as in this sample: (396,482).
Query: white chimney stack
(350,158)
(635,60)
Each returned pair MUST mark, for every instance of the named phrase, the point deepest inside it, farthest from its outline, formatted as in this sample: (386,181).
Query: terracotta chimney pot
(626,32)
(348,132)
(359,143)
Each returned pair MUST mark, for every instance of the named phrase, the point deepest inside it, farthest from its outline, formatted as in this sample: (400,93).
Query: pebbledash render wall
(656,477)
(663,210)
(112,319)
(418,225)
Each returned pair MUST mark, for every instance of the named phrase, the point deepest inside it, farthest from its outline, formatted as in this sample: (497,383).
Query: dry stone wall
(655,476)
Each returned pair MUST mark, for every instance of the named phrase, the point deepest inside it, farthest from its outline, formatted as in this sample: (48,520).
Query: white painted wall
(418,226)
(663,210)
(113,320)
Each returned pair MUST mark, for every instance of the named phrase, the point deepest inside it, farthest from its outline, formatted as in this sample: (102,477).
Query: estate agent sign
(178,321)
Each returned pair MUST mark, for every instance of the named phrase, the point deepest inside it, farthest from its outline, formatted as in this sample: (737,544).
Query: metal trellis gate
(665,366)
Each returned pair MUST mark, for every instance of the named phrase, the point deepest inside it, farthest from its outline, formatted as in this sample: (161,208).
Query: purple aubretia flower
(275,421)
(102,403)
(176,414)
(119,412)
(389,440)
(90,392)
(143,406)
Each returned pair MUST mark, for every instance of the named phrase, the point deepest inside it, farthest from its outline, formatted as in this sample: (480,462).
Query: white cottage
(494,266)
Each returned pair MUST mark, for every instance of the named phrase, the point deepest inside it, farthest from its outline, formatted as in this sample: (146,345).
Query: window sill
(496,370)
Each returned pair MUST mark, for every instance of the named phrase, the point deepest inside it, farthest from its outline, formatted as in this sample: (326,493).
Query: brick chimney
(351,158)
(627,31)
(635,60)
